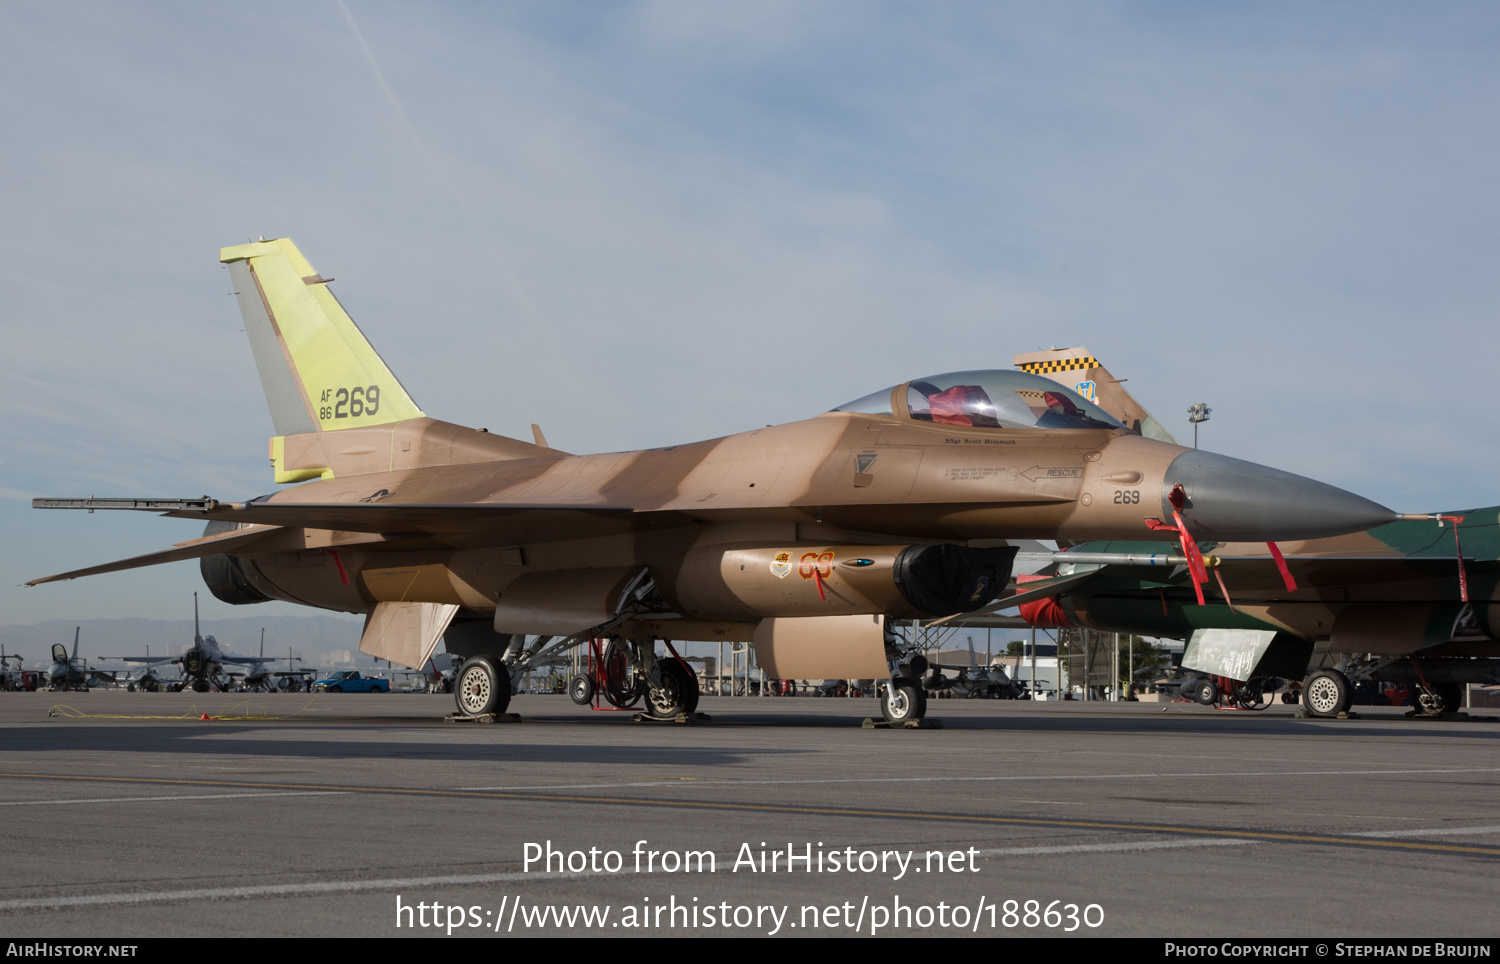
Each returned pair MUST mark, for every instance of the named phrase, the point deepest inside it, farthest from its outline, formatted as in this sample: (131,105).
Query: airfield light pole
(1196,414)
(1033,662)
(1114,665)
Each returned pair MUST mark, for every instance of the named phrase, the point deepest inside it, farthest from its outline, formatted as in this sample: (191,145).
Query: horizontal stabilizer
(234,541)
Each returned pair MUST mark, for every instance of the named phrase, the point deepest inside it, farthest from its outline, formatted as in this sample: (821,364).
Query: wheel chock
(871,723)
(679,718)
(483,718)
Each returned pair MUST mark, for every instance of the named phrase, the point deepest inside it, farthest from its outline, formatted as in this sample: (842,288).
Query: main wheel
(904,701)
(1439,699)
(483,686)
(200,686)
(1327,693)
(620,685)
(581,689)
(678,692)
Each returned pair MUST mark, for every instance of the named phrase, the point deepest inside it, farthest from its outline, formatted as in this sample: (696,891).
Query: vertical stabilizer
(318,370)
(1082,373)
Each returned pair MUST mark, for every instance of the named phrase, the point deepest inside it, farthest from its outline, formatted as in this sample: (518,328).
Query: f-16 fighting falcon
(805,538)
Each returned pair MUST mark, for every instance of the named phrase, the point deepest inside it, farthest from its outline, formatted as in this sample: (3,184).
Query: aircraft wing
(235,541)
(431,519)
(149,660)
(496,523)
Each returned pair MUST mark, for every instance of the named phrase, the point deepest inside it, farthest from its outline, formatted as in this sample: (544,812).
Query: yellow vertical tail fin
(318,370)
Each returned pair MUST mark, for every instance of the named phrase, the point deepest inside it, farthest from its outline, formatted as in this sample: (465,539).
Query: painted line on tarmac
(1012,778)
(276,890)
(1345,840)
(198,796)
(1117,847)
(394,883)
(1439,832)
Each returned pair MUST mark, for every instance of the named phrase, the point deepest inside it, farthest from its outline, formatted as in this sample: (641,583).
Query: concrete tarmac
(127,815)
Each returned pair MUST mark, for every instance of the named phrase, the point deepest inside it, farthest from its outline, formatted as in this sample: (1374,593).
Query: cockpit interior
(986,399)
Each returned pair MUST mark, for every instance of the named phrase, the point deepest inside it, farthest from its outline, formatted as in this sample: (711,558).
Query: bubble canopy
(987,399)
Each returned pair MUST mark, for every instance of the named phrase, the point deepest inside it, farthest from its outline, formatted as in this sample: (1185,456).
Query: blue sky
(644,223)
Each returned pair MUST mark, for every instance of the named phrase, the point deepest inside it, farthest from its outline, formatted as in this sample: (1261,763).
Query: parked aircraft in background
(973,680)
(803,538)
(71,672)
(202,666)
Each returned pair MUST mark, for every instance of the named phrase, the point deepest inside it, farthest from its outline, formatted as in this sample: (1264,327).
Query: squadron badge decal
(781,566)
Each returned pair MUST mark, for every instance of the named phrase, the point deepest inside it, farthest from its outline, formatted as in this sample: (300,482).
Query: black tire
(619,684)
(904,701)
(1252,694)
(1326,693)
(334,689)
(678,692)
(482,686)
(581,689)
(200,686)
(1206,692)
(1439,699)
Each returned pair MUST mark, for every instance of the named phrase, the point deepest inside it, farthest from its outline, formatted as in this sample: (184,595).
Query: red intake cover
(1042,613)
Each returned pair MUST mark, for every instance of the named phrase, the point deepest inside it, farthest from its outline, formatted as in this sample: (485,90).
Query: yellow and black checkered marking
(1058,365)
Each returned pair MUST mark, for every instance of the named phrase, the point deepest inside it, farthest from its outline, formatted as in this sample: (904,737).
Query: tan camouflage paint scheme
(414,513)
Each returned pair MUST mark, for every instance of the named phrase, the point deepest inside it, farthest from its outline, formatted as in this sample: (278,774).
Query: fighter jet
(12,677)
(260,677)
(71,672)
(973,680)
(803,538)
(203,666)
(1414,601)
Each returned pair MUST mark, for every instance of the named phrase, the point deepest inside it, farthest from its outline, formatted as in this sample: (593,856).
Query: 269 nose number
(1127,496)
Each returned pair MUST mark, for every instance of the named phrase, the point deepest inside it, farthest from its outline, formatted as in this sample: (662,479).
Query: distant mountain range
(323,640)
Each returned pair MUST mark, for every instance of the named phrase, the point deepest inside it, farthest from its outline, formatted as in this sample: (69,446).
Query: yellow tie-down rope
(192,713)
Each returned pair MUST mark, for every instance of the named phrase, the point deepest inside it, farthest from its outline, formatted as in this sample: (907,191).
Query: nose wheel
(904,701)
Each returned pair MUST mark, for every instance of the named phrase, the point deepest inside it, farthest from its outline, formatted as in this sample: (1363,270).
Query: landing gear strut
(904,701)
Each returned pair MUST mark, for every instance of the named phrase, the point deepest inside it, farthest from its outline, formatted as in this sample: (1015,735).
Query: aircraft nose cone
(1231,500)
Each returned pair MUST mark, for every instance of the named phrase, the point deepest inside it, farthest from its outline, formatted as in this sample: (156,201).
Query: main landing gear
(621,672)
(1437,699)
(1327,693)
(482,686)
